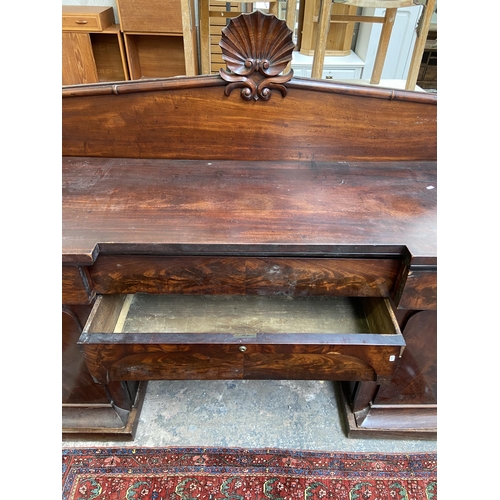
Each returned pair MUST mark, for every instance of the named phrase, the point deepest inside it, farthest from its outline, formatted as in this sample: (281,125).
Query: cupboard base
(102,422)
(389,421)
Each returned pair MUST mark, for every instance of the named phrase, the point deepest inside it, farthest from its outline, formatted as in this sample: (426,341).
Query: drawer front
(93,19)
(157,361)
(244,276)
(420,290)
(191,337)
(76,288)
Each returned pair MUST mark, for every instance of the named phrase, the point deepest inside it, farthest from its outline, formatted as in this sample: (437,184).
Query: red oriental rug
(245,474)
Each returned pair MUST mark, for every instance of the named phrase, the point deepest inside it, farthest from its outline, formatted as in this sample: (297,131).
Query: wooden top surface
(180,207)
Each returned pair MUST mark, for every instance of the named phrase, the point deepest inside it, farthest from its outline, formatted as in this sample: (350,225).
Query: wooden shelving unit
(339,36)
(160,37)
(427,75)
(214,15)
(92,46)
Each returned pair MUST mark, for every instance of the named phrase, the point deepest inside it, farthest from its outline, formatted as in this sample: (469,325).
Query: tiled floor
(250,414)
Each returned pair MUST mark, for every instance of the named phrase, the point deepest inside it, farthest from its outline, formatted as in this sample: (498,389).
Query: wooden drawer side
(150,16)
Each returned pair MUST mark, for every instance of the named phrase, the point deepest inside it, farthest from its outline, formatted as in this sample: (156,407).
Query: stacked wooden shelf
(160,37)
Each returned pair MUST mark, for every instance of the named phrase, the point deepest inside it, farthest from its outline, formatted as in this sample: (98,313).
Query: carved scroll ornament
(256,47)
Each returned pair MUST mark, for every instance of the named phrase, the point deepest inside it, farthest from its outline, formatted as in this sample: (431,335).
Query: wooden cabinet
(159,37)
(155,39)
(92,46)
(88,18)
(407,405)
(90,409)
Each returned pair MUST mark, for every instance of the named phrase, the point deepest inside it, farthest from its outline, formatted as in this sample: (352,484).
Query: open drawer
(158,337)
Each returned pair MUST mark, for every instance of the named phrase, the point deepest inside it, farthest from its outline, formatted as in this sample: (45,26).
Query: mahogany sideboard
(249,225)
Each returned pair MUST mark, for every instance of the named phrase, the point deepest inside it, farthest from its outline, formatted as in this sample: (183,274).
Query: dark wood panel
(312,123)
(161,206)
(406,406)
(221,362)
(76,288)
(153,337)
(120,274)
(415,380)
(78,387)
(92,411)
(77,384)
(420,290)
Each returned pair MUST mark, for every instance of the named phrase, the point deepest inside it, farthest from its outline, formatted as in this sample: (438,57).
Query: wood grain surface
(122,206)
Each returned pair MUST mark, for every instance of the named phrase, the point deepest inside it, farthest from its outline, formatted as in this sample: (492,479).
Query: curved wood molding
(257,47)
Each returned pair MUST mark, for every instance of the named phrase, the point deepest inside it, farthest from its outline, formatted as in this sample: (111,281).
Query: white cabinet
(335,67)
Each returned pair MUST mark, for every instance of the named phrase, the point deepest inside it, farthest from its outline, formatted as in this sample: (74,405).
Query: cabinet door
(78,64)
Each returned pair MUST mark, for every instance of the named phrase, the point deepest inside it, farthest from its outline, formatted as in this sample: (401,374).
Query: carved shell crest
(256,47)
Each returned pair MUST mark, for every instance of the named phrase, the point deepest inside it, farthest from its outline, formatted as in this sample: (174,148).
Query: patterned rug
(245,474)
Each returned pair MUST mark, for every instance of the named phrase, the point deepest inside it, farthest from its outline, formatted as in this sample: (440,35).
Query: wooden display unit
(160,37)
(340,35)
(155,55)
(92,46)
(427,74)
(214,16)
(253,225)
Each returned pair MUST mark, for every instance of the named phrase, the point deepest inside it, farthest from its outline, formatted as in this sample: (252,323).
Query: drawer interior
(232,316)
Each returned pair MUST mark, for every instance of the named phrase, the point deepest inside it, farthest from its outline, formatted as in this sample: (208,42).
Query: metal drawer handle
(81,22)
(242,348)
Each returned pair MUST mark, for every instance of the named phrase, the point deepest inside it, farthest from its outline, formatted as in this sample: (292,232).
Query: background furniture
(338,40)
(214,16)
(387,21)
(92,46)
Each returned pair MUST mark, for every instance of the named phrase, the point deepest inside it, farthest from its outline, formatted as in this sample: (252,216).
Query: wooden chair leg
(321,39)
(385,36)
(418,50)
